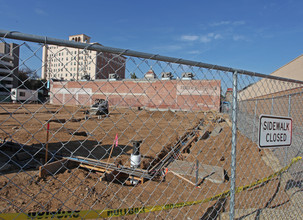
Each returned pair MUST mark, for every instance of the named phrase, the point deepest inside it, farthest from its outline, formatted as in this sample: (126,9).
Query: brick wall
(108,63)
(195,95)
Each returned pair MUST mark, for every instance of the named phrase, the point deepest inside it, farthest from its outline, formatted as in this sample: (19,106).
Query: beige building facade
(292,70)
(66,63)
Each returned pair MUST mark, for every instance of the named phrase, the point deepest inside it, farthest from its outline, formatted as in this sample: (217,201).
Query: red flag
(47,129)
(116,141)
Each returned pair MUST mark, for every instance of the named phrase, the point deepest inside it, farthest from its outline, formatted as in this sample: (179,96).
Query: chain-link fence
(106,132)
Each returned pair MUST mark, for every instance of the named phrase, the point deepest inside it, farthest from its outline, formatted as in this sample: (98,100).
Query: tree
(133,76)
(28,79)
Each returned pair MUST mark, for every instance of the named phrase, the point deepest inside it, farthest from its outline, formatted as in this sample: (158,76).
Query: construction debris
(217,130)
(100,107)
(181,146)
(178,175)
(108,167)
(214,174)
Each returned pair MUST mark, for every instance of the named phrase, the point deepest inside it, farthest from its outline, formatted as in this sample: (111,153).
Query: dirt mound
(83,189)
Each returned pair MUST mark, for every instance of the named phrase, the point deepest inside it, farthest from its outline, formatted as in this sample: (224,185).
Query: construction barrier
(91,214)
(82,124)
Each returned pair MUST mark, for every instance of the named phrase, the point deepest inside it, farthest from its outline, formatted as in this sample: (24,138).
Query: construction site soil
(21,190)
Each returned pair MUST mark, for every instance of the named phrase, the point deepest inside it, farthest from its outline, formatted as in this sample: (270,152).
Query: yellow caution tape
(92,214)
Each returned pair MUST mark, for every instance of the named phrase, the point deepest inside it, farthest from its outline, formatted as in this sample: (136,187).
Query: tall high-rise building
(67,63)
(9,63)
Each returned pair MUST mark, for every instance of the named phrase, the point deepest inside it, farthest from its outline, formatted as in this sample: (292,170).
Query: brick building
(190,95)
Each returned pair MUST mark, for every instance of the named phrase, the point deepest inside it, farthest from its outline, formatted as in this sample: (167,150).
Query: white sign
(274,131)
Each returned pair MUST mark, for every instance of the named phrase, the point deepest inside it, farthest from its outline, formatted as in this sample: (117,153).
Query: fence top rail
(97,47)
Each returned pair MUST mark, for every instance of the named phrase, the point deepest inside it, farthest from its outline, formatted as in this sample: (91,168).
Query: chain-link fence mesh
(112,134)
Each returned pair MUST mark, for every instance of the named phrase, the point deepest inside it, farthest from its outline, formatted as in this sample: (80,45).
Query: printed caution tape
(92,214)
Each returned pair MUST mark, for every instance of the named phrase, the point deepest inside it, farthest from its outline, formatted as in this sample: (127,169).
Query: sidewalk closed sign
(274,131)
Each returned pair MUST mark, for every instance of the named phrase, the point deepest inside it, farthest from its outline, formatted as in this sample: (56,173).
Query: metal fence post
(254,122)
(272,106)
(289,105)
(288,114)
(233,147)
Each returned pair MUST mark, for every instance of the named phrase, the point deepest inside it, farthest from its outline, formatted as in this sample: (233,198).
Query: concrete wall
(191,95)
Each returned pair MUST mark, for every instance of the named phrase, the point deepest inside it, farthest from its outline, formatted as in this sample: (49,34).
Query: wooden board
(115,173)
(95,168)
(214,174)
(188,144)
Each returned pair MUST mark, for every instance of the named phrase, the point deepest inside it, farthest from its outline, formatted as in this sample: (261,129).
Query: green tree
(133,76)
(28,79)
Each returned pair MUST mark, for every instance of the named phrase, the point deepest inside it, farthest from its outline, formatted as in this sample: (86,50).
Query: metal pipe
(233,147)
(288,114)
(197,173)
(48,40)
(254,123)
(272,105)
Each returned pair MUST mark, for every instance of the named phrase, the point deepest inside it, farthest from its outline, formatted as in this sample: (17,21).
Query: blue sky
(259,36)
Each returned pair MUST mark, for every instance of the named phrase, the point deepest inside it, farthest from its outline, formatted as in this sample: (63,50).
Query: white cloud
(189,37)
(218,36)
(205,39)
(220,23)
(40,11)
(209,37)
(238,22)
(194,52)
(225,23)
(239,37)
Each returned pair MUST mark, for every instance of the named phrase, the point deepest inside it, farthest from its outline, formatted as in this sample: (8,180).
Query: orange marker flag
(111,151)
(116,141)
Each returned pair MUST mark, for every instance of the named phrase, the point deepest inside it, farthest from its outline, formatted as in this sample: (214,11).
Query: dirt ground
(80,189)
